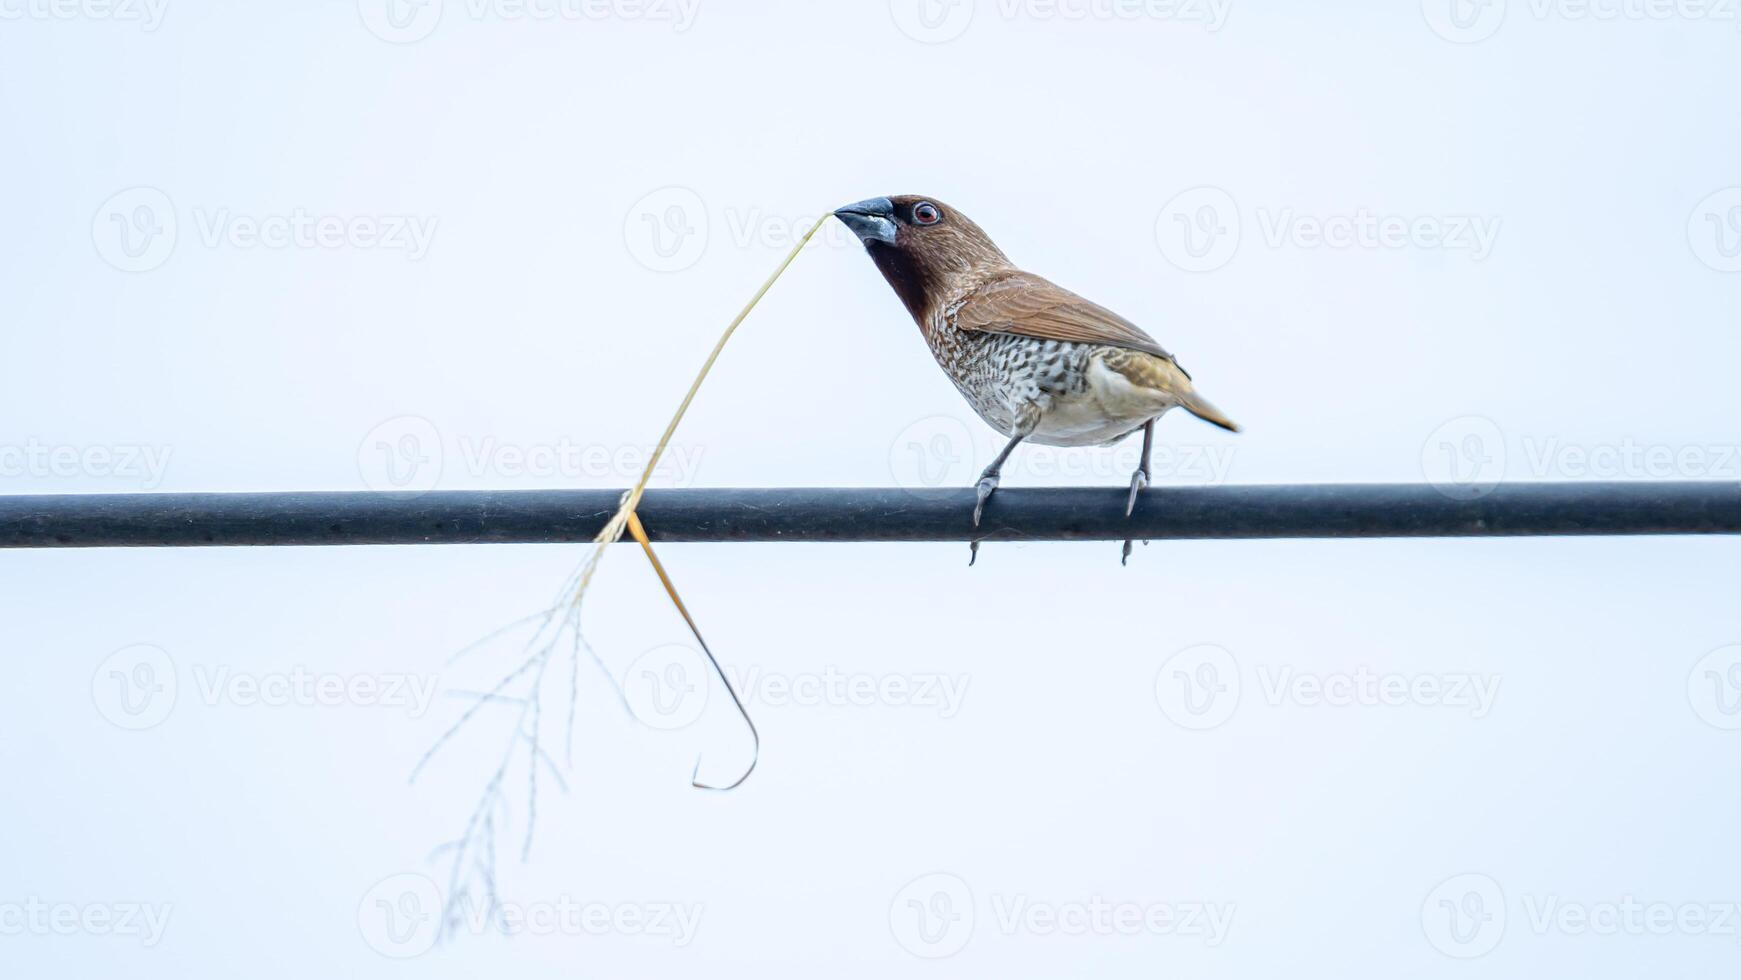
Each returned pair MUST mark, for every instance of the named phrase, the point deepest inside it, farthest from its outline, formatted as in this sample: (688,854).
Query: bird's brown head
(928,251)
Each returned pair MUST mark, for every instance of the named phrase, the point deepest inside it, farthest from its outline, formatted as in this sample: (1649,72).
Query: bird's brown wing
(1025,304)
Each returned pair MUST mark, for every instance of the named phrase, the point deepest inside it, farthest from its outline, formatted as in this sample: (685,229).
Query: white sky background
(1601,320)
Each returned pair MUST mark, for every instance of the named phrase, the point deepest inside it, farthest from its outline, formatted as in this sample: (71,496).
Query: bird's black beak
(871,221)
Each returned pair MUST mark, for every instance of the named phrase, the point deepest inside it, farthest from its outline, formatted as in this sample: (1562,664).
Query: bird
(1037,362)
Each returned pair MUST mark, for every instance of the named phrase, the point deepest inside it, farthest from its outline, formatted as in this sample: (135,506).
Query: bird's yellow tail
(1169,381)
(1199,406)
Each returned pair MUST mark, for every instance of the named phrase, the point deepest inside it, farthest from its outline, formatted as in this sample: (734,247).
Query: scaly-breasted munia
(1036,361)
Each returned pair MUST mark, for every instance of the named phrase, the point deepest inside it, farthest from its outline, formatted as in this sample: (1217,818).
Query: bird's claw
(1138,482)
(986,485)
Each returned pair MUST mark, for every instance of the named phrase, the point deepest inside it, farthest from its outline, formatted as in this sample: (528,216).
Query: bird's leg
(1140,478)
(988,480)
(1138,481)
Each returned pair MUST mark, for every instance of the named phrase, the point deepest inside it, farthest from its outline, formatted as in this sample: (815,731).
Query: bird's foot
(987,484)
(1139,481)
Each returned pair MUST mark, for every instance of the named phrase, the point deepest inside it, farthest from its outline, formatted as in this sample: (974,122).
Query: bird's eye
(926,213)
